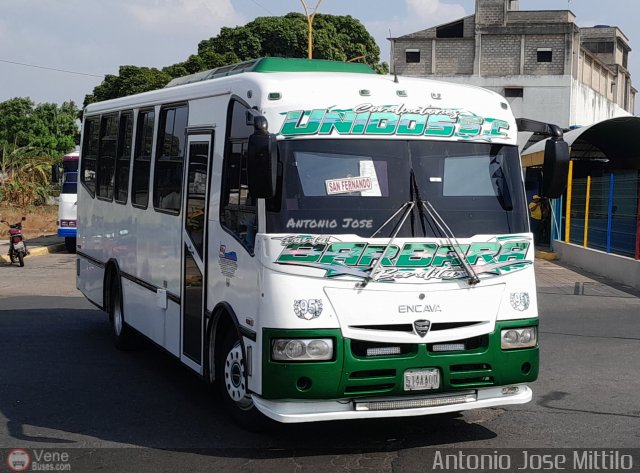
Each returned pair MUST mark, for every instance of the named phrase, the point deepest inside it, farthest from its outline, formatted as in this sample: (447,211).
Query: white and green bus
(320,241)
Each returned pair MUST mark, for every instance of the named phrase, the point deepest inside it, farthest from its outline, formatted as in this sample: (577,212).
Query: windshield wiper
(424,208)
(406,209)
(444,229)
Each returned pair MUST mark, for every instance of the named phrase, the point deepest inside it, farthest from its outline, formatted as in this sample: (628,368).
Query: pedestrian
(535,218)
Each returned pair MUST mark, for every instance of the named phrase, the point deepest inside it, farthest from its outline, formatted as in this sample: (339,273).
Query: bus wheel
(121,331)
(232,384)
(70,244)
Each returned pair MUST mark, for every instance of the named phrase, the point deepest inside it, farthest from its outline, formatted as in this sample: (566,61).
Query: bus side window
(107,156)
(238,211)
(90,154)
(142,159)
(170,151)
(123,157)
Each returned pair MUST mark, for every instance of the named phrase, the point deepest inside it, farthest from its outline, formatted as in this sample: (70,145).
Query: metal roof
(615,139)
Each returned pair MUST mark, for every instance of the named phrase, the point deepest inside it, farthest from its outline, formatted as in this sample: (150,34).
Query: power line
(51,69)
(264,8)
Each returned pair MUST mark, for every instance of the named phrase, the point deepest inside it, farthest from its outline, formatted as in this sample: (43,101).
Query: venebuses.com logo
(18,460)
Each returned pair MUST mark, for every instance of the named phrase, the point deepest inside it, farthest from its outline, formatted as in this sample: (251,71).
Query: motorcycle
(17,246)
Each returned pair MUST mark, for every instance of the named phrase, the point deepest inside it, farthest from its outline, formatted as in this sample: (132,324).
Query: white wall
(546,98)
(549,98)
(590,107)
(617,268)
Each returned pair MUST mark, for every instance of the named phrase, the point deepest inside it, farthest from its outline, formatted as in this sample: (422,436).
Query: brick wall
(490,12)
(500,55)
(531,65)
(469,27)
(548,16)
(417,69)
(454,56)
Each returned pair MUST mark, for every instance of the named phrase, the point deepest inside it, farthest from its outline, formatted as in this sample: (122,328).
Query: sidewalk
(557,278)
(37,246)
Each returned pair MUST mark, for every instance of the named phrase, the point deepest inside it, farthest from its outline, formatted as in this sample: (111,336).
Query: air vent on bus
(386,328)
(452,325)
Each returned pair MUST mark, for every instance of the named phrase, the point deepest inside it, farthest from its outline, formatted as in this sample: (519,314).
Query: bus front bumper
(379,407)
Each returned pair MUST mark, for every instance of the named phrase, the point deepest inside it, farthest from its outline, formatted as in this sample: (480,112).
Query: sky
(90,38)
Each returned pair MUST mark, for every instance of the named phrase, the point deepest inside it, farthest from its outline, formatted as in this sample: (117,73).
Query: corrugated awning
(615,139)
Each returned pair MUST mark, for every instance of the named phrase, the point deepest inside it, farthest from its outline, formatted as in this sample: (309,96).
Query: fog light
(519,338)
(381,351)
(440,347)
(284,349)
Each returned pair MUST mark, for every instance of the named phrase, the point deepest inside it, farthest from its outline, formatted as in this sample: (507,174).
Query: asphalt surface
(64,387)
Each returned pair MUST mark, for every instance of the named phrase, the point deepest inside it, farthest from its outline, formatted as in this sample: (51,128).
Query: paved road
(63,385)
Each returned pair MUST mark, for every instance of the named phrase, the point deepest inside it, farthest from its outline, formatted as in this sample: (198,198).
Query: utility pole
(310,18)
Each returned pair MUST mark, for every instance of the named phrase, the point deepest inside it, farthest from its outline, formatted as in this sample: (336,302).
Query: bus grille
(468,375)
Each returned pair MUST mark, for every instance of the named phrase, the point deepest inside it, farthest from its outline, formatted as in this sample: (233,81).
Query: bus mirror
(555,168)
(262,165)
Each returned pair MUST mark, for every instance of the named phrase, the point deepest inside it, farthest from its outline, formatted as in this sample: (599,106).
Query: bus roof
(274,64)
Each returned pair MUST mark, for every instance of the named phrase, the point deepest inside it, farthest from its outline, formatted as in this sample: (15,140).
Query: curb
(546,255)
(38,251)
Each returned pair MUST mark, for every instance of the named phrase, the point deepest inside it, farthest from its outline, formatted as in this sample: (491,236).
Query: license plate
(421,379)
(18,246)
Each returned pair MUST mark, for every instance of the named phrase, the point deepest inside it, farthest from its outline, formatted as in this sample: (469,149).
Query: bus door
(194,239)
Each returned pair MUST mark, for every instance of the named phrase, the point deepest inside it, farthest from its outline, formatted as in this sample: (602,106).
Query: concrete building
(547,67)
(551,70)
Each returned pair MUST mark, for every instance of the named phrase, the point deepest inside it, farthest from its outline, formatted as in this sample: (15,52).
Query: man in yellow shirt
(535,210)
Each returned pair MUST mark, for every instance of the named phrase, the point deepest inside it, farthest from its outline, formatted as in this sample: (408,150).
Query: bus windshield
(355,186)
(70,177)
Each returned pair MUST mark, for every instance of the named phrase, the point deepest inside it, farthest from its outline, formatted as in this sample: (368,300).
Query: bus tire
(122,335)
(70,244)
(231,383)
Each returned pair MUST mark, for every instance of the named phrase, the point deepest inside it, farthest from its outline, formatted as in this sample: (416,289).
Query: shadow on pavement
(62,383)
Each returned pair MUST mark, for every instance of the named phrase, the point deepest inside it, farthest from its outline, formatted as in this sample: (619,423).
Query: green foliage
(50,128)
(130,80)
(338,38)
(32,137)
(25,175)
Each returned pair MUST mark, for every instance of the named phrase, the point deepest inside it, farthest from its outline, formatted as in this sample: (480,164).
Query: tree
(25,175)
(32,137)
(47,127)
(130,80)
(338,38)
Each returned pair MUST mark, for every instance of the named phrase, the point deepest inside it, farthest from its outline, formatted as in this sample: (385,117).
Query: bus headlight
(519,338)
(307,349)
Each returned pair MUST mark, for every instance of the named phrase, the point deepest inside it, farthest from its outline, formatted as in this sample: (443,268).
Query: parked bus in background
(67,207)
(320,241)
